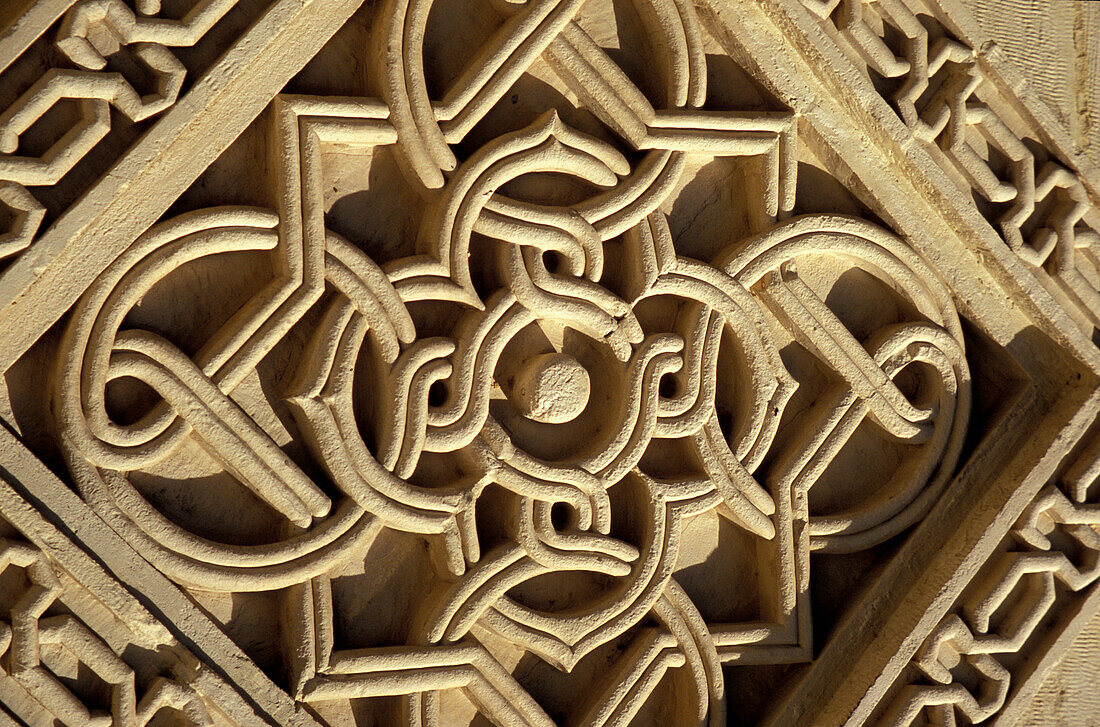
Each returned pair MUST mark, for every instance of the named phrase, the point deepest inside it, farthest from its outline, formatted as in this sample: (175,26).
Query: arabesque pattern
(614,362)
(969,667)
(592,392)
(939,88)
(92,34)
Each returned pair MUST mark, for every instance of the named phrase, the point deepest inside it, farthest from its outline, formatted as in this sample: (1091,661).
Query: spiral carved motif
(542,390)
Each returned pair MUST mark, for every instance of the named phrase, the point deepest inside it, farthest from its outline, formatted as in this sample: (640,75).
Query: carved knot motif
(545,391)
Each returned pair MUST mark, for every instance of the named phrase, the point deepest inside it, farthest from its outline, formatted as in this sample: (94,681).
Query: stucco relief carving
(34,642)
(77,649)
(972,663)
(533,363)
(112,47)
(565,389)
(937,85)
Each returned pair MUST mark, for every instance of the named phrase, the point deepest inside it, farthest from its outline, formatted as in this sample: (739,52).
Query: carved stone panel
(464,362)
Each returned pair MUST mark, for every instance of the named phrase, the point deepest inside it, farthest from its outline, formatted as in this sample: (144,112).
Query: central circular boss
(552,388)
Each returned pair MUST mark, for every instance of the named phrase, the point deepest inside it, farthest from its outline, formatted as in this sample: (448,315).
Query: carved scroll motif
(563,400)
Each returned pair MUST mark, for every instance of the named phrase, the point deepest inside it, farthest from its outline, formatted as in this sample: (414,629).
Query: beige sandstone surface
(535,362)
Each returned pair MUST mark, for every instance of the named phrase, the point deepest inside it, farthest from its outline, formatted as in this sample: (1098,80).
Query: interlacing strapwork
(940,87)
(540,410)
(122,64)
(977,655)
(44,647)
